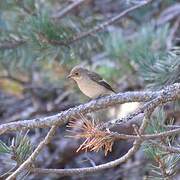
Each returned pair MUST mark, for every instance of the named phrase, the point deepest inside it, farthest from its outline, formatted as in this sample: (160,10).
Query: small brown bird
(90,83)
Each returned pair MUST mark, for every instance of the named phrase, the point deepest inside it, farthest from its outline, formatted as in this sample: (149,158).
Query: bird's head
(78,73)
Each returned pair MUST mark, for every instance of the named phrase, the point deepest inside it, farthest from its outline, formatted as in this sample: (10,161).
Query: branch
(68,9)
(147,136)
(103,25)
(33,156)
(11,44)
(166,148)
(169,41)
(132,151)
(111,124)
(100,27)
(162,167)
(165,96)
(89,169)
(10,77)
(94,105)
(97,28)
(170,93)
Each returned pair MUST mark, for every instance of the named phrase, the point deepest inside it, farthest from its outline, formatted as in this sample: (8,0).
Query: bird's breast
(91,88)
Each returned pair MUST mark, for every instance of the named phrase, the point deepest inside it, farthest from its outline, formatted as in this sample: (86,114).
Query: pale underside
(92,89)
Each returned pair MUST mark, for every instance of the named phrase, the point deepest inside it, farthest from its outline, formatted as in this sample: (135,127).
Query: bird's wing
(96,77)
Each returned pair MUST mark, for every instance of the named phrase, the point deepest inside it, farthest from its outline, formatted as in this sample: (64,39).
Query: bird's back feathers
(96,77)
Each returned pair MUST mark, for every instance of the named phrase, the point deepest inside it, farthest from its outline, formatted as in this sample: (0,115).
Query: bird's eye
(76,73)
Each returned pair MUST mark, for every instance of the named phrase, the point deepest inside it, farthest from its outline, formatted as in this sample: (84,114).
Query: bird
(90,83)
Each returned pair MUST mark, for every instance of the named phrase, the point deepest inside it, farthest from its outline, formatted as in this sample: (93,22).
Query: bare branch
(166,95)
(147,136)
(11,44)
(94,105)
(133,150)
(169,41)
(66,10)
(12,78)
(103,25)
(111,164)
(100,27)
(90,169)
(132,115)
(170,93)
(96,29)
(170,149)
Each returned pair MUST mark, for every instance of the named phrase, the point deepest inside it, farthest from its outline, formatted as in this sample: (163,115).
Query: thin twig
(12,78)
(90,169)
(169,41)
(97,28)
(100,27)
(5,175)
(147,136)
(162,167)
(11,44)
(33,156)
(103,25)
(170,149)
(66,10)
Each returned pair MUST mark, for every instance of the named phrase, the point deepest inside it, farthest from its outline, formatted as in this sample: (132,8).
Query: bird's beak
(69,76)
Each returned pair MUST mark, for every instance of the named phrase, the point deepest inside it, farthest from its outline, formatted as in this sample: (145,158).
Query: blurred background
(37,51)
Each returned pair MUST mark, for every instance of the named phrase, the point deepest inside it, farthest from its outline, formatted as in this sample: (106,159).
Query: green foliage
(42,25)
(155,126)
(19,149)
(157,123)
(163,160)
(130,47)
(147,39)
(108,72)
(170,162)
(4,148)
(46,39)
(164,71)
(145,53)
(116,49)
(147,42)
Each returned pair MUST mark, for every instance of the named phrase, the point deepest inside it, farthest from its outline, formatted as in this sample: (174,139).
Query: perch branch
(170,93)
(129,117)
